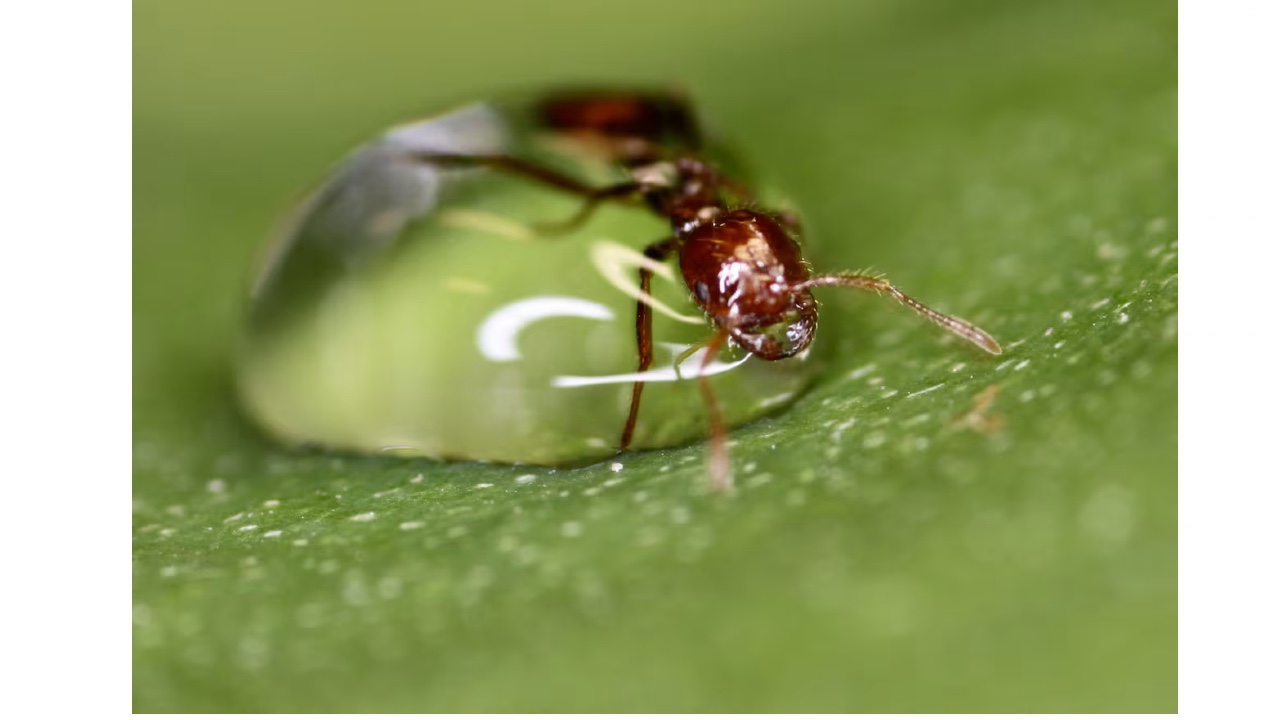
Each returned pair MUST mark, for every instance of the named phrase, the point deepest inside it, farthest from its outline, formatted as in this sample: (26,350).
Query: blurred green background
(889,549)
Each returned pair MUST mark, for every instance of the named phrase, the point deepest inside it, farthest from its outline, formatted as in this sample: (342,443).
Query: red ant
(742,264)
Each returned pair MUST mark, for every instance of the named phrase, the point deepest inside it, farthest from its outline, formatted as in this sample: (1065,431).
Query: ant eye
(425,303)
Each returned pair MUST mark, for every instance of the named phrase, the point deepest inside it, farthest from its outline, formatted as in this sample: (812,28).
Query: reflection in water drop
(496,337)
(409,307)
(688,368)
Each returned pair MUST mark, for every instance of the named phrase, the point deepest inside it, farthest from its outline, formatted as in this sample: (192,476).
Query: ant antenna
(963,328)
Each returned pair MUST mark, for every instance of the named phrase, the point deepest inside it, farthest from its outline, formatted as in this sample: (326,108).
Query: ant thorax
(707,213)
(656,175)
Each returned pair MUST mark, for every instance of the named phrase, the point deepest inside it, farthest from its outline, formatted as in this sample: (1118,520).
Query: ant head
(746,273)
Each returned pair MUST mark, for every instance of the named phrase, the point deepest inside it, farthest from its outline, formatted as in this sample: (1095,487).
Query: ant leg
(659,251)
(513,165)
(719,469)
(621,191)
(688,353)
(963,328)
(505,163)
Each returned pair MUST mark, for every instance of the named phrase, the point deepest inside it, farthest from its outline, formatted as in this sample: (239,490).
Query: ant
(742,264)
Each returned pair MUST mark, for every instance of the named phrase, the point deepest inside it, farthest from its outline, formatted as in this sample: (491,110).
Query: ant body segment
(742,265)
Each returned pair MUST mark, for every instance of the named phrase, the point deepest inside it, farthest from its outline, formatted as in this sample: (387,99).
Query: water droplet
(408,308)
(310,615)
(354,590)
(389,587)
(1107,517)
(252,652)
(889,607)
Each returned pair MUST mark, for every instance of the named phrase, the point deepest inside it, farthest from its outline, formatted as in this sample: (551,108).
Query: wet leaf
(927,529)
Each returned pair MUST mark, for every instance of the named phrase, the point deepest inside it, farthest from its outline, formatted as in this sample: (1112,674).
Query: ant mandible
(742,264)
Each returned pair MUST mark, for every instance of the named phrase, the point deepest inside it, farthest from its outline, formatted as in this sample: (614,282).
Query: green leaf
(927,529)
